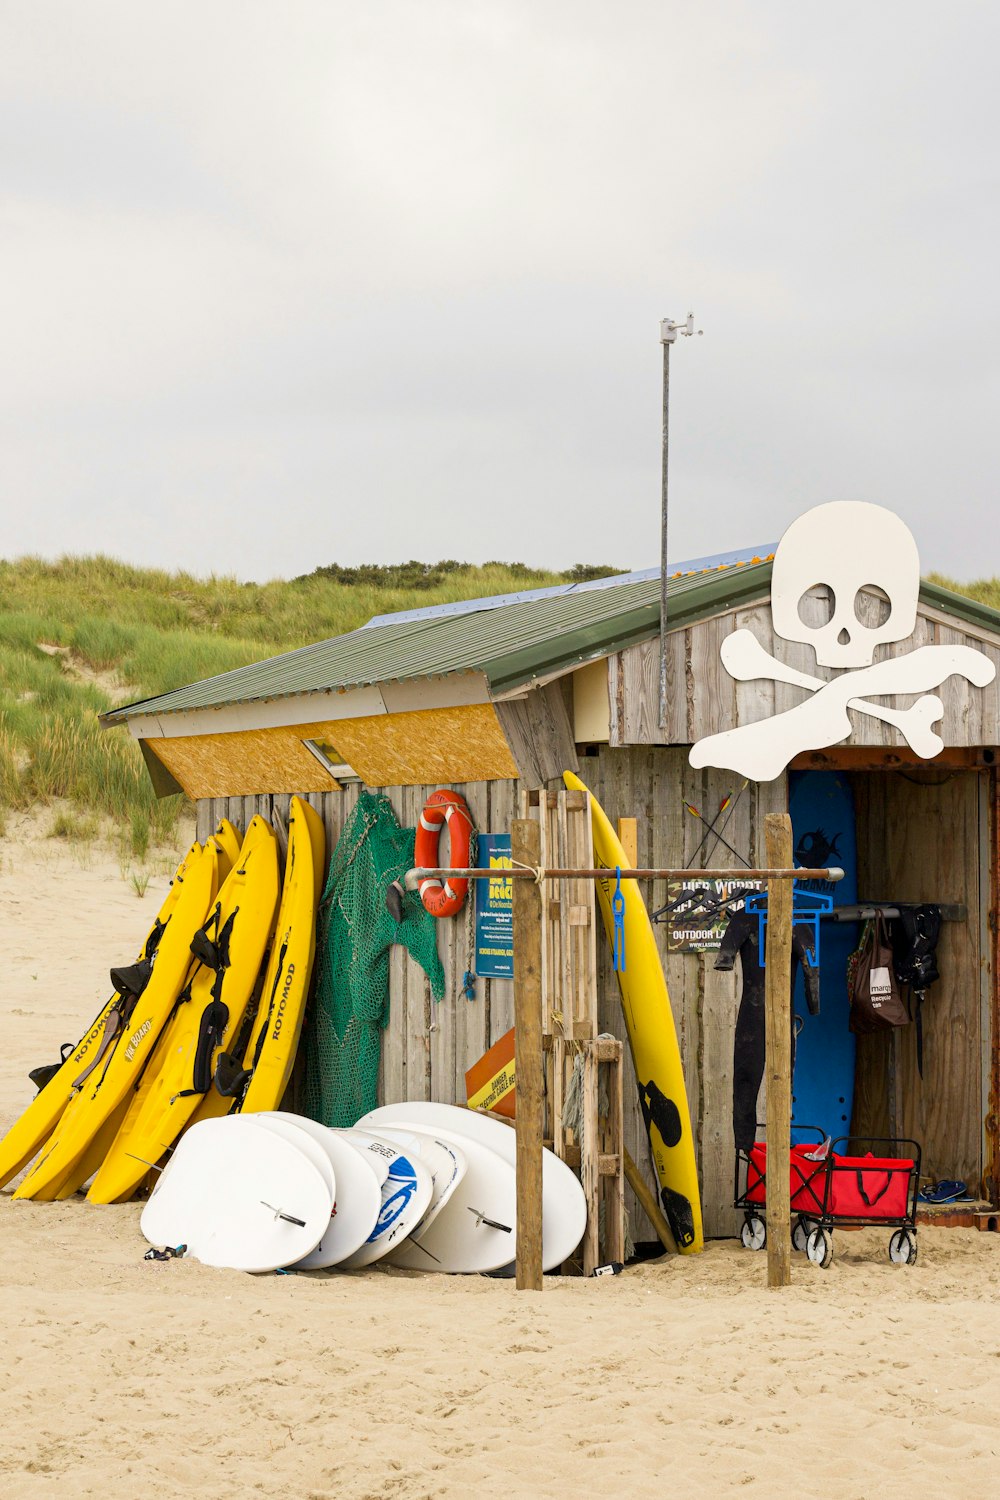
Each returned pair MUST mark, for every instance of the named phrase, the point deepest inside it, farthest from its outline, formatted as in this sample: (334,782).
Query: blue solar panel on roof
(497,601)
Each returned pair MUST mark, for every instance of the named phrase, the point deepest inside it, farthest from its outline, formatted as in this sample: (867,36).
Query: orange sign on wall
(489,1083)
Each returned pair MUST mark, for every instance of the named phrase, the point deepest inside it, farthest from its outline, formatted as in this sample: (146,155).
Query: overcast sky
(291,283)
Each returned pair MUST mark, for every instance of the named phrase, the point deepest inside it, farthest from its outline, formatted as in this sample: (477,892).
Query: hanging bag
(874,992)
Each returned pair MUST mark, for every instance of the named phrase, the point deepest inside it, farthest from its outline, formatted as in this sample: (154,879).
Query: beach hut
(494,696)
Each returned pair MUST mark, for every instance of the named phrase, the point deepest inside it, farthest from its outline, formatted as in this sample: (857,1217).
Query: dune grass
(114,632)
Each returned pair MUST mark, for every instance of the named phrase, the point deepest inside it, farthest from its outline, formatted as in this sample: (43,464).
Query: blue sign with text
(494,910)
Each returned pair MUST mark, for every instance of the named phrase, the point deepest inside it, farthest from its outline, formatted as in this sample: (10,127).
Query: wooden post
(628,837)
(590,1160)
(525,848)
(991,1176)
(614,1187)
(778,1034)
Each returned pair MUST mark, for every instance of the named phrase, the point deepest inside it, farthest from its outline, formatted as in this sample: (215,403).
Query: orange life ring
(443,807)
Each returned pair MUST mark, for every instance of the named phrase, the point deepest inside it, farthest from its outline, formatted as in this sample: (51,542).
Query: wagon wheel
(903,1248)
(819,1246)
(754,1233)
(800,1233)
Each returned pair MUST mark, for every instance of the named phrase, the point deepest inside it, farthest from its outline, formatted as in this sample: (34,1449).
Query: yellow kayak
(68,1158)
(230,948)
(653,1040)
(260,1076)
(228,841)
(30,1132)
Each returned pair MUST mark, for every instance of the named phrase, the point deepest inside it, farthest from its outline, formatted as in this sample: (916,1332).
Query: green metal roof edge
(971,610)
(723,590)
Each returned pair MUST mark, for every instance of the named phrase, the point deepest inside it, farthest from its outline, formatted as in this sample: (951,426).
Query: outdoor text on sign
(695,932)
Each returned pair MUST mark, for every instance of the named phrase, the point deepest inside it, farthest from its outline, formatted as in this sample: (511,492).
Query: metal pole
(414,877)
(664,467)
(668,335)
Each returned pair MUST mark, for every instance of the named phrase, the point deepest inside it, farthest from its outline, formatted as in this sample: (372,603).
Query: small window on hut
(331,760)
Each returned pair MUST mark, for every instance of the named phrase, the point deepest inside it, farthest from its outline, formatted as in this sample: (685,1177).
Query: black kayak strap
(129,982)
(132,979)
(262,1034)
(231,1078)
(114,1023)
(214,1017)
(210,1033)
(204,945)
(153,941)
(45,1073)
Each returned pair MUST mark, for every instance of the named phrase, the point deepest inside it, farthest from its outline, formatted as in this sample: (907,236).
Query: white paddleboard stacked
(429,1187)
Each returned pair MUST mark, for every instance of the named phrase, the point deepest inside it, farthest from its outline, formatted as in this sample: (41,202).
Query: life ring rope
(442,809)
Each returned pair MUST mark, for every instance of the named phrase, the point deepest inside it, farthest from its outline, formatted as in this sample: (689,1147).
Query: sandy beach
(867,1381)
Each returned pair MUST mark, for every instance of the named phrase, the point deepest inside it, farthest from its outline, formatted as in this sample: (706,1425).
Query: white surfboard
(564,1207)
(406,1194)
(367,1147)
(358,1198)
(239,1196)
(474,1232)
(444,1159)
(301,1139)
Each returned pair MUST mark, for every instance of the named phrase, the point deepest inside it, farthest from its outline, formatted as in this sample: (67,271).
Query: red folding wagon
(829,1188)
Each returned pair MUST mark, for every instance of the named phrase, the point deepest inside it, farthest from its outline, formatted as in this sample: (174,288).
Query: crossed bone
(762,750)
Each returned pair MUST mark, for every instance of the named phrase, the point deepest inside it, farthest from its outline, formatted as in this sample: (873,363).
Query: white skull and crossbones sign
(852,548)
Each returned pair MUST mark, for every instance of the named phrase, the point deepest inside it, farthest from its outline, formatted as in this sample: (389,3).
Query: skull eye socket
(872,606)
(817,606)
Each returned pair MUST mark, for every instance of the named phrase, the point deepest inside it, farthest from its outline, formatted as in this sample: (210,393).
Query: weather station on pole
(669,333)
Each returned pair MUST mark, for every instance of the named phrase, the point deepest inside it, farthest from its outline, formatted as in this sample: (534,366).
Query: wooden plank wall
(972,715)
(427,1046)
(539,730)
(919,840)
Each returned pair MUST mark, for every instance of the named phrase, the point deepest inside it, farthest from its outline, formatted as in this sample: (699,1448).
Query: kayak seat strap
(210,1032)
(44,1074)
(231,1078)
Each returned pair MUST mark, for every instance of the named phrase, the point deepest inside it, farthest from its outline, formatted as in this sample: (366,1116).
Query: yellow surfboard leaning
(652,1039)
(266,1064)
(230,949)
(30,1132)
(68,1158)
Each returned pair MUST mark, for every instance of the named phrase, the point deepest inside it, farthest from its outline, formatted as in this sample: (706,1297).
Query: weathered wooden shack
(494,696)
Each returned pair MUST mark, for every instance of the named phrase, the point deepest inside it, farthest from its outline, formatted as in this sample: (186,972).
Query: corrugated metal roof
(511,645)
(615,580)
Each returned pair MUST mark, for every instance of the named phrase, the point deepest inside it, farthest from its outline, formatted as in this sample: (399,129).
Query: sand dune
(864,1382)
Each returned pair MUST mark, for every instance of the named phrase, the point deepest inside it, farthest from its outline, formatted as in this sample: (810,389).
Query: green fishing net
(354,934)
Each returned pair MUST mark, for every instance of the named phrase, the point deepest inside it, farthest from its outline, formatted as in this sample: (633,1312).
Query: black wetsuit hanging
(741,937)
(915,934)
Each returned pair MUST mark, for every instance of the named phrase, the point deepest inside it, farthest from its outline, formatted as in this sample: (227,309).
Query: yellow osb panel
(243,763)
(434,744)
